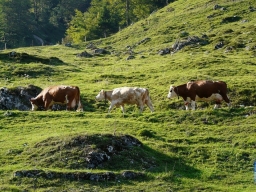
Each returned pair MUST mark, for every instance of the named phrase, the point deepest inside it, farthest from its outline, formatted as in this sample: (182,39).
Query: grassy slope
(210,150)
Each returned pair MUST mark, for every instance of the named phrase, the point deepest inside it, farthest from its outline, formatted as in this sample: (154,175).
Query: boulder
(17,98)
(84,54)
(130,57)
(192,40)
(100,51)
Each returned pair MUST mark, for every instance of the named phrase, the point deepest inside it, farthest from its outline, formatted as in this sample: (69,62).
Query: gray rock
(164,51)
(100,51)
(131,174)
(84,54)
(219,45)
(17,98)
(130,57)
(192,40)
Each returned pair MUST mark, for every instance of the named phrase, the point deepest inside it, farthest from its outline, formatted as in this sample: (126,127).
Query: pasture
(201,150)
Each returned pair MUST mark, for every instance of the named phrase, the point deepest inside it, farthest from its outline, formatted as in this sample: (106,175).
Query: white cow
(126,95)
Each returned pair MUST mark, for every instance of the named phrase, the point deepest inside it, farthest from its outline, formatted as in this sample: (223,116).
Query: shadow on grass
(26,58)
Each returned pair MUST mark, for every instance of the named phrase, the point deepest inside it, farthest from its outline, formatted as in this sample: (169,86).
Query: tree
(134,10)
(65,9)
(77,27)
(99,21)
(15,21)
(20,20)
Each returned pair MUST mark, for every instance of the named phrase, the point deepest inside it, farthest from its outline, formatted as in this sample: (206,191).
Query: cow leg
(141,108)
(47,105)
(79,107)
(149,104)
(110,107)
(140,105)
(216,106)
(68,107)
(68,103)
(66,97)
(227,100)
(193,105)
(34,107)
(186,105)
(122,108)
(47,101)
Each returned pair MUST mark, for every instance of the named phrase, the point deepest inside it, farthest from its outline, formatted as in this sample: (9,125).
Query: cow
(126,95)
(60,94)
(201,90)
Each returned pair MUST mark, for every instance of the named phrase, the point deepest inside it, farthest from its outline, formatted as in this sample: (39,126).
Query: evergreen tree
(16,22)
(99,21)
(50,20)
(77,27)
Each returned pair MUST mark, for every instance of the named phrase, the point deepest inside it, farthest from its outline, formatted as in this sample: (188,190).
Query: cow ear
(32,99)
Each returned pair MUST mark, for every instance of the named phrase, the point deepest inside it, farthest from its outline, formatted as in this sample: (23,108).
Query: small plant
(145,133)
(184,34)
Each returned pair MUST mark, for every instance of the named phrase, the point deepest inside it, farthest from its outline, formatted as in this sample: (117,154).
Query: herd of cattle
(191,92)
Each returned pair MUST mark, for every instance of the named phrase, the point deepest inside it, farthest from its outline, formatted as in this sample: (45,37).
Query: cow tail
(79,104)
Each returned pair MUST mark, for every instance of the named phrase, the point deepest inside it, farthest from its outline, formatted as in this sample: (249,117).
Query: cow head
(172,93)
(34,104)
(101,96)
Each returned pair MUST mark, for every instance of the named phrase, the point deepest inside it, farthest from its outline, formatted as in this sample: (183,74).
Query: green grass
(183,147)
(202,150)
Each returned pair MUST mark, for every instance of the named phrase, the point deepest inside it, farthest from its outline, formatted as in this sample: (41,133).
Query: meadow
(201,150)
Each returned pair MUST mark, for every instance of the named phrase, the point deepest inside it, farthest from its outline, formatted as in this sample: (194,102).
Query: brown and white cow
(201,90)
(126,95)
(60,94)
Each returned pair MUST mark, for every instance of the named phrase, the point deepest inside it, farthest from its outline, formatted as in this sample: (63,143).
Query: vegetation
(46,22)
(202,150)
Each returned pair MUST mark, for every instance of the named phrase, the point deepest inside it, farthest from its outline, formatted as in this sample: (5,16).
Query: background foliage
(202,150)
(31,22)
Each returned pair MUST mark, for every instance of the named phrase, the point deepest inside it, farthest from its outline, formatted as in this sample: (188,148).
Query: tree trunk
(127,10)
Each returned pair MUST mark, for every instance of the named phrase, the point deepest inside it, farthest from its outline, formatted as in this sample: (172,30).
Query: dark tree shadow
(27,58)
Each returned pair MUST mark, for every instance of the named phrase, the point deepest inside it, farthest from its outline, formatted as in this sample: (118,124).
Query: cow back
(124,95)
(130,95)
(206,88)
(61,93)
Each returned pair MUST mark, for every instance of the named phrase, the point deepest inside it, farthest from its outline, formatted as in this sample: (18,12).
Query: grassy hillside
(202,150)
